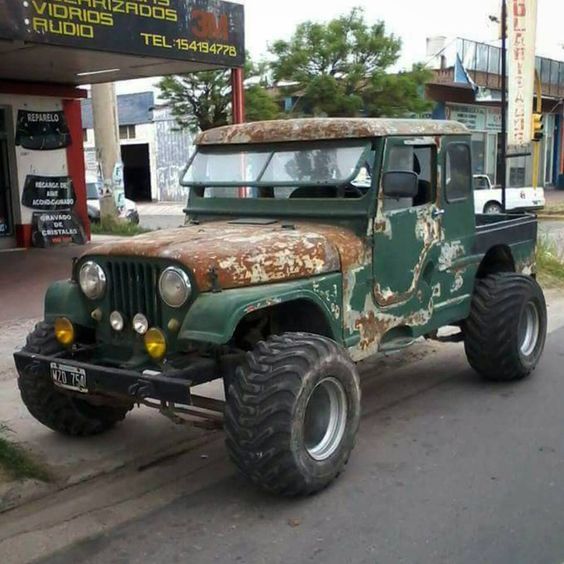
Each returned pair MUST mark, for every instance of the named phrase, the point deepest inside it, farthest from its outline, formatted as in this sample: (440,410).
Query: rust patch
(371,330)
(315,129)
(245,255)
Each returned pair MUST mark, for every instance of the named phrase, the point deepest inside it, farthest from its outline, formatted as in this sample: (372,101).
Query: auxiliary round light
(117,321)
(174,287)
(140,324)
(155,343)
(92,280)
(64,331)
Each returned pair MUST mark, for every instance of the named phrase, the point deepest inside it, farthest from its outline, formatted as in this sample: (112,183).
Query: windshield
(322,164)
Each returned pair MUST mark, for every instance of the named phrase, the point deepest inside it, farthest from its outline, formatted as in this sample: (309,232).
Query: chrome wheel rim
(529,328)
(325,419)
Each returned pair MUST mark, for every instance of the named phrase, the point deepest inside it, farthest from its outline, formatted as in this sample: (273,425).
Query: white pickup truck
(487,198)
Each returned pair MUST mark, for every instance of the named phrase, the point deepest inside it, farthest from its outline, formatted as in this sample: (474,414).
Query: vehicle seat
(395,204)
(424,193)
(314,192)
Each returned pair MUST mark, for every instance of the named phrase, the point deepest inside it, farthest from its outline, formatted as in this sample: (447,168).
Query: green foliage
(340,69)
(550,264)
(198,100)
(16,463)
(260,105)
(202,100)
(117,227)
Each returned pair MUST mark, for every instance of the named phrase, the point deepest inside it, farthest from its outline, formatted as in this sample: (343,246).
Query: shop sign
(522,33)
(493,120)
(206,31)
(52,229)
(48,193)
(42,131)
(475,118)
(472,117)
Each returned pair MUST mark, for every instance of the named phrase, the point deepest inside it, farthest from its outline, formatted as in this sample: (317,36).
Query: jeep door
(407,230)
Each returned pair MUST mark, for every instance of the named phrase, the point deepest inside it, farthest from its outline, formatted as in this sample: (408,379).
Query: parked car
(280,294)
(93,192)
(488,199)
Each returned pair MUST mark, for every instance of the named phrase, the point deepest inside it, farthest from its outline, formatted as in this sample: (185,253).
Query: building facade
(467,87)
(46,55)
(154,150)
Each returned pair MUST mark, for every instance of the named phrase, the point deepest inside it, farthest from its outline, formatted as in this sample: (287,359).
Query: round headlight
(174,287)
(140,324)
(92,280)
(116,321)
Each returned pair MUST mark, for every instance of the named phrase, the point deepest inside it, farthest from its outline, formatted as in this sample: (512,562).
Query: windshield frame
(272,149)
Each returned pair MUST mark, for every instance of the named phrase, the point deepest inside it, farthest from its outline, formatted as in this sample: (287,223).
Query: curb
(14,494)
(18,493)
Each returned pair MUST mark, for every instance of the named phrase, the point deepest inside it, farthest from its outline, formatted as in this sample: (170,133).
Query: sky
(411,20)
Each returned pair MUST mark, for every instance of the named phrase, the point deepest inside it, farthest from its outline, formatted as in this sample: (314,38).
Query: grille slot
(133,289)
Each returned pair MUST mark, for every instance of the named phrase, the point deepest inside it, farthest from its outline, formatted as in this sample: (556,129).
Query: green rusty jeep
(309,245)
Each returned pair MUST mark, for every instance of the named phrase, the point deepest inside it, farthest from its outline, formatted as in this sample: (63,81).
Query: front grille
(133,289)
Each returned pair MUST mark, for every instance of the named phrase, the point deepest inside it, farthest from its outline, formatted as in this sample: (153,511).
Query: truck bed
(504,229)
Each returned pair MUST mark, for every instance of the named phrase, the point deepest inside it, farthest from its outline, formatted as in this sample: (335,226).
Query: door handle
(437,213)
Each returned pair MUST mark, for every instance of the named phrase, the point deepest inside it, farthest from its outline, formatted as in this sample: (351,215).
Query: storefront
(48,49)
(466,87)
(485,124)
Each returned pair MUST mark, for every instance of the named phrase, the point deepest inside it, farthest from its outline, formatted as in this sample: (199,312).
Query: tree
(202,100)
(340,69)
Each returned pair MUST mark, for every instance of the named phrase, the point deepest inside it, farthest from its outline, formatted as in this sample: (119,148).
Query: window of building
(85,135)
(127,132)
(458,173)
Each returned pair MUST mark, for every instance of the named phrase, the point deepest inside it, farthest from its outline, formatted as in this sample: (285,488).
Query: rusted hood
(244,255)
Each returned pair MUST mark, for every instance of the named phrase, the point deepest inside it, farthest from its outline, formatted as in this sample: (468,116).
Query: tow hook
(142,390)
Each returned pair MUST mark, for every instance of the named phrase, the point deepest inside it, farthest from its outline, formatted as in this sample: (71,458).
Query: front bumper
(171,386)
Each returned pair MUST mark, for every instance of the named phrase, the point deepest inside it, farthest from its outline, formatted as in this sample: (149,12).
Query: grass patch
(118,228)
(16,463)
(549,262)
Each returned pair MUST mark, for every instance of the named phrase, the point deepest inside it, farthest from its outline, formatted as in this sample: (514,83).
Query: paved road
(447,469)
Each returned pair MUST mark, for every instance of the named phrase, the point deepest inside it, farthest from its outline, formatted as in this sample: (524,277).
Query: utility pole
(108,153)
(503,176)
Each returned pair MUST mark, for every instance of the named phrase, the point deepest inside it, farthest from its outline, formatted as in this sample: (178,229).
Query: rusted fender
(213,318)
(234,255)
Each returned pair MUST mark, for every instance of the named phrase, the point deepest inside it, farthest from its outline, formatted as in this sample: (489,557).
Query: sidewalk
(161,208)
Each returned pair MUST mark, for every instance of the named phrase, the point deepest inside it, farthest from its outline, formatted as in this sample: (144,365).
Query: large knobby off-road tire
(58,411)
(506,331)
(292,414)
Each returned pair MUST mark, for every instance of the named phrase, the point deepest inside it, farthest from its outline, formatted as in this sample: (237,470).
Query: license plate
(69,377)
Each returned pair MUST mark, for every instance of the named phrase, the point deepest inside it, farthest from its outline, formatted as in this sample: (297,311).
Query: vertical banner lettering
(522,34)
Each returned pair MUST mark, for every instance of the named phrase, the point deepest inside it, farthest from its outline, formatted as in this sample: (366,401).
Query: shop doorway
(137,172)
(6,219)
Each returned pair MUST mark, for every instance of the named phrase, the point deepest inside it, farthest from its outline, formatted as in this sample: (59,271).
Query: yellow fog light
(155,343)
(64,331)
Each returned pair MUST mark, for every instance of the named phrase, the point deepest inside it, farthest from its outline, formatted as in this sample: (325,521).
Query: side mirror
(400,184)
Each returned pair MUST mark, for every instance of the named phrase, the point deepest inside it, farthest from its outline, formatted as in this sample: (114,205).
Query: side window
(458,173)
(421,159)
(481,183)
